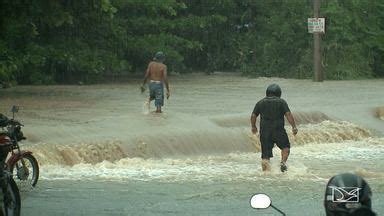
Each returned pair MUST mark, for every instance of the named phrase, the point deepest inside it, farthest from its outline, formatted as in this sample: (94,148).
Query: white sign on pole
(316,25)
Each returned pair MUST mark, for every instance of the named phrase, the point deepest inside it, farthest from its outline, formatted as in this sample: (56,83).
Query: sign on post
(316,25)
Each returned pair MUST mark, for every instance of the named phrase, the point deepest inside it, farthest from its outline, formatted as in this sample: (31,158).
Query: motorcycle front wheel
(25,171)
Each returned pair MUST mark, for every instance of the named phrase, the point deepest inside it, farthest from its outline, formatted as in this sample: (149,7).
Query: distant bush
(86,41)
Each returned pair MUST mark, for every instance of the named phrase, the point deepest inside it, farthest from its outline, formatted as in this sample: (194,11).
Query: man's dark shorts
(269,137)
(156,92)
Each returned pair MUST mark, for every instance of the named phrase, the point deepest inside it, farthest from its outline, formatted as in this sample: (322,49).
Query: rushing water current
(106,133)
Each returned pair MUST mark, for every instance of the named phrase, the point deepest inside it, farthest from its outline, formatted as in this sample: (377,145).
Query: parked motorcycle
(21,164)
(10,202)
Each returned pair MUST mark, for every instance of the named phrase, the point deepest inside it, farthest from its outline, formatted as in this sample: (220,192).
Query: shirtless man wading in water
(156,74)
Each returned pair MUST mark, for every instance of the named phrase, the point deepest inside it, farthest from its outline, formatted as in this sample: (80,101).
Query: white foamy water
(233,166)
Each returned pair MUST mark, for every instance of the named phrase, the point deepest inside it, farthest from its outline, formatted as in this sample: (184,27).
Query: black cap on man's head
(159,56)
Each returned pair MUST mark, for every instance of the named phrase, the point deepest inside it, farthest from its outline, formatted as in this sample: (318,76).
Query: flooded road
(102,153)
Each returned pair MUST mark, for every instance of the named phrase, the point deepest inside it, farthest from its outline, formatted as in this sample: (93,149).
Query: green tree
(53,41)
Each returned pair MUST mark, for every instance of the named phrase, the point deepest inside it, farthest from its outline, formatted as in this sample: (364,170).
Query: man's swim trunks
(269,137)
(156,91)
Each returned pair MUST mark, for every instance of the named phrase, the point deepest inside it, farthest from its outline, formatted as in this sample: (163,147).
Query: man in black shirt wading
(272,110)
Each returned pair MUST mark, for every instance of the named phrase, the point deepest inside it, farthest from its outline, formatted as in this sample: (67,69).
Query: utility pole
(317,66)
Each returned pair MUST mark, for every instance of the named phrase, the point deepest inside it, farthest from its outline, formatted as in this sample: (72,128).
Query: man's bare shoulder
(162,65)
(151,63)
(156,63)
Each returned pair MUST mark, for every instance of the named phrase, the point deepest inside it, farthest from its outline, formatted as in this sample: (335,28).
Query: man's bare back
(157,71)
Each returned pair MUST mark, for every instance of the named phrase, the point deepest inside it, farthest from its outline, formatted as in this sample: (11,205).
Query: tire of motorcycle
(11,203)
(33,169)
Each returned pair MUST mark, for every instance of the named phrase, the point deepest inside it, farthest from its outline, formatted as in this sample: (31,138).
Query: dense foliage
(56,41)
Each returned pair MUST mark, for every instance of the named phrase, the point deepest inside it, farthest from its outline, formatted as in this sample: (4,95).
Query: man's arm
(146,76)
(165,78)
(291,121)
(253,123)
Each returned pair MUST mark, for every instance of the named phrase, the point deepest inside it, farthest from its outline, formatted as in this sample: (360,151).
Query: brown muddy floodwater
(102,153)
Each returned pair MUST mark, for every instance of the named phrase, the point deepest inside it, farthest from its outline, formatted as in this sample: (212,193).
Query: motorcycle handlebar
(14,122)
(5,121)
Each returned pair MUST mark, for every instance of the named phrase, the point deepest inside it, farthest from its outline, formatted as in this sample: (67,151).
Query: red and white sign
(316,25)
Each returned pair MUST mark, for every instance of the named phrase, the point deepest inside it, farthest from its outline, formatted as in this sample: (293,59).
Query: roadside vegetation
(88,41)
